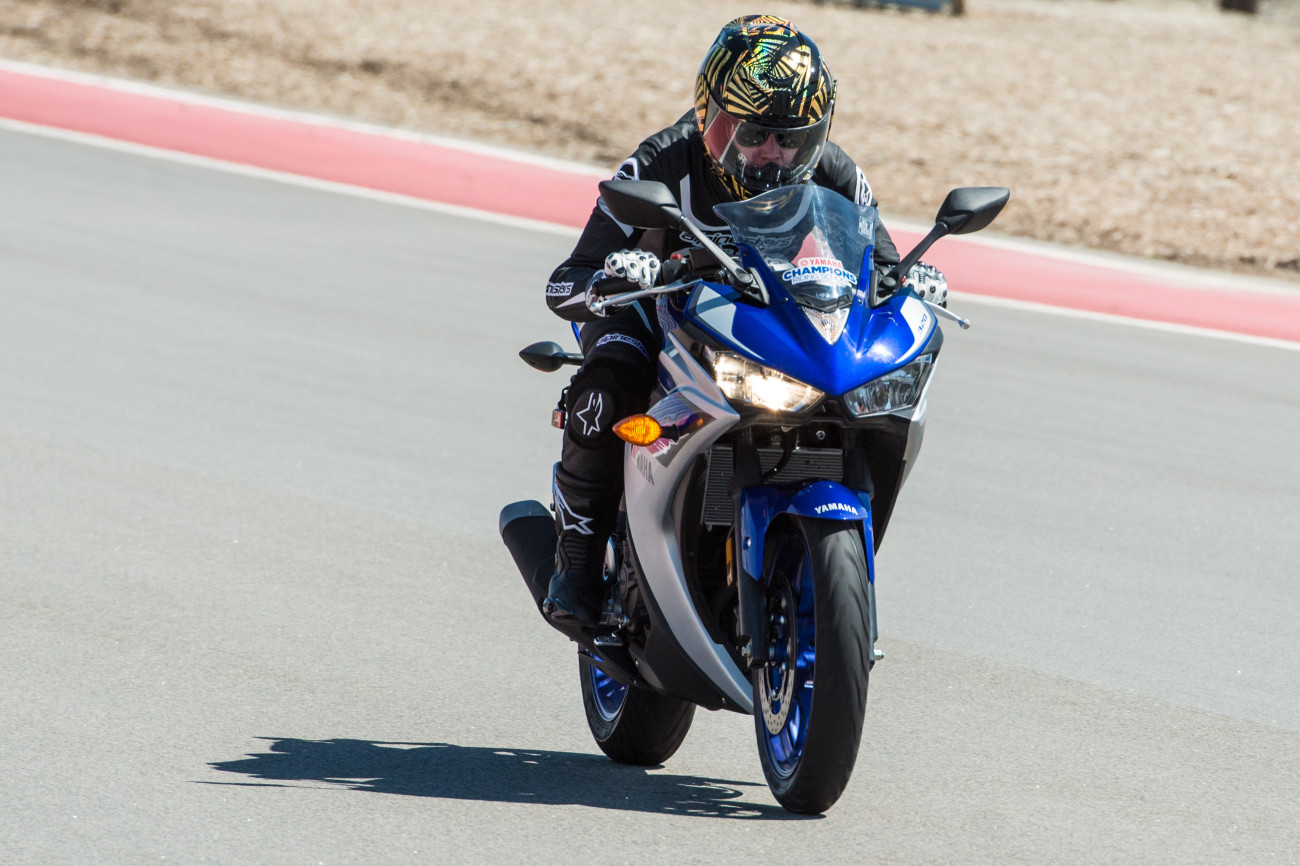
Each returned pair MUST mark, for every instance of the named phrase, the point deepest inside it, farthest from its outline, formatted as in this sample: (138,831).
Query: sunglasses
(748,135)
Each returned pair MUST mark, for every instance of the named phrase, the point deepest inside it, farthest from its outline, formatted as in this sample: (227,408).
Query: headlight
(745,381)
(893,391)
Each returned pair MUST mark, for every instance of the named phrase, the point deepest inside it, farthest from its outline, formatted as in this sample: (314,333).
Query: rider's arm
(566,291)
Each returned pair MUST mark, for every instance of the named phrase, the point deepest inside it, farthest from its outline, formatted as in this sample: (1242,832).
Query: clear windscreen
(812,238)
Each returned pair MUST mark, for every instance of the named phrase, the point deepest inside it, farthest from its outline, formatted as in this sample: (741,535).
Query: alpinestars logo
(569,519)
(589,415)
(616,337)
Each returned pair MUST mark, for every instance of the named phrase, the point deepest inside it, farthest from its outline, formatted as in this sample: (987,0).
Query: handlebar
(626,298)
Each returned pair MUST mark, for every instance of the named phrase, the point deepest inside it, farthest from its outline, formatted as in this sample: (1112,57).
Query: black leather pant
(620,363)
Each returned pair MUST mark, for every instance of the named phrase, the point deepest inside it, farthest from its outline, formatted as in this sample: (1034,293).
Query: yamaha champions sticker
(821,270)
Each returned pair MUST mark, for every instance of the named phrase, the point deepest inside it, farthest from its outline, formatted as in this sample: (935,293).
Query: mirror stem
(900,270)
(739,274)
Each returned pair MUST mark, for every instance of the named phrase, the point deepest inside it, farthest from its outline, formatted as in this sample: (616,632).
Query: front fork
(752,595)
(754,508)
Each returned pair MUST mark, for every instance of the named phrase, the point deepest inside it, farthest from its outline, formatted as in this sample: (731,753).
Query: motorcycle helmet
(763,104)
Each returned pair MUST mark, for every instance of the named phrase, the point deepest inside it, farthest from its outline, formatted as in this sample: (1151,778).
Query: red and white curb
(485,182)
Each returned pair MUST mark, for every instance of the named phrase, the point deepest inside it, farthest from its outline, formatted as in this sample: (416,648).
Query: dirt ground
(1157,128)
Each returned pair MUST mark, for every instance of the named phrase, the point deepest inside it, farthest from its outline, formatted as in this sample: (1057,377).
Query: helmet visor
(763,157)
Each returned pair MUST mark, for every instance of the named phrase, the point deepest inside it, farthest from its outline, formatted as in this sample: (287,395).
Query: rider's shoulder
(835,166)
(837,170)
(666,153)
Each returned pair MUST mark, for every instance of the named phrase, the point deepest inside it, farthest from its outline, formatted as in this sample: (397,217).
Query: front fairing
(812,249)
(782,337)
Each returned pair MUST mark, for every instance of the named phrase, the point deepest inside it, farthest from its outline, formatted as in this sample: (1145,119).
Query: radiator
(804,464)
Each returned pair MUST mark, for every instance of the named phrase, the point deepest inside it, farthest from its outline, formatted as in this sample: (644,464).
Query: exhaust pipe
(528,530)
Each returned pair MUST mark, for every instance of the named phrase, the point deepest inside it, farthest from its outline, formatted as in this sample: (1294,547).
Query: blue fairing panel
(780,335)
(828,500)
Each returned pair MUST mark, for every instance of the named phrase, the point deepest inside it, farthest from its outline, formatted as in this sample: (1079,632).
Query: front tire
(809,727)
(632,725)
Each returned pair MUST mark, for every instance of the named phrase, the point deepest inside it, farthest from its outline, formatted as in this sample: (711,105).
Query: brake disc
(776,689)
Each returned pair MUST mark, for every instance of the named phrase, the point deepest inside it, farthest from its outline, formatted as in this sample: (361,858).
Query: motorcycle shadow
(501,775)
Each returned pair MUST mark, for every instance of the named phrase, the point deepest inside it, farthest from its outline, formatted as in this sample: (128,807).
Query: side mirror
(965,210)
(646,204)
(548,357)
(971,208)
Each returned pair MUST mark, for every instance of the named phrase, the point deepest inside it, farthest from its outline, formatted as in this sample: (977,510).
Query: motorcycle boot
(584,517)
(614,380)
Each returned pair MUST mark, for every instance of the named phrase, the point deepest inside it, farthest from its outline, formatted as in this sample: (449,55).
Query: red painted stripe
(525,189)
(1025,276)
(411,168)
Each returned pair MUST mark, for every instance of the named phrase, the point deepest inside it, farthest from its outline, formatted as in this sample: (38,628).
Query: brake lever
(947,314)
(626,298)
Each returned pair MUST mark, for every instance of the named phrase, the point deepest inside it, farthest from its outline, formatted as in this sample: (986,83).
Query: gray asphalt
(253,609)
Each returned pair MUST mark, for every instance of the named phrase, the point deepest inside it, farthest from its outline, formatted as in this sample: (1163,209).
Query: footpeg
(608,640)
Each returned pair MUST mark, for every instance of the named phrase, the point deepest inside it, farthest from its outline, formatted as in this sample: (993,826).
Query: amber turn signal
(638,429)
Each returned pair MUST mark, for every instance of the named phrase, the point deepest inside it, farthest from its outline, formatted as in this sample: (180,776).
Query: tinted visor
(760,156)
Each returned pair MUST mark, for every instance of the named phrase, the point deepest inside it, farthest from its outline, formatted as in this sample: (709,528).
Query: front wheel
(632,725)
(811,696)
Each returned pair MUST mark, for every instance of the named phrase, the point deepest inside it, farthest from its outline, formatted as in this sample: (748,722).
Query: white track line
(286,178)
(1186,276)
(1207,280)
(255,109)
(1108,318)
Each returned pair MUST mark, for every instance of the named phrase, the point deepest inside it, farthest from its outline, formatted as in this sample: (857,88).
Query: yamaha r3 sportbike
(789,409)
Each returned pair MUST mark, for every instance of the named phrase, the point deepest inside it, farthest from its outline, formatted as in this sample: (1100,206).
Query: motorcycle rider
(764,98)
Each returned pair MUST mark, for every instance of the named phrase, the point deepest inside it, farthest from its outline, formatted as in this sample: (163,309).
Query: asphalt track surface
(253,443)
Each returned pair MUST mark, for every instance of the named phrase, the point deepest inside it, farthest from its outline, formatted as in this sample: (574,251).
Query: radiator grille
(804,464)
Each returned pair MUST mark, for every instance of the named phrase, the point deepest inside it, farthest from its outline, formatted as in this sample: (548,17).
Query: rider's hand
(928,282)
(635,266)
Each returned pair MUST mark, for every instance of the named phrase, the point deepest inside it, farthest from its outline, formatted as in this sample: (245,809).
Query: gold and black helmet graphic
(761,68)
(763,104)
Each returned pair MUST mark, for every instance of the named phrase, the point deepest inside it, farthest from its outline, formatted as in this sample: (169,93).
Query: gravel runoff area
(1164,129)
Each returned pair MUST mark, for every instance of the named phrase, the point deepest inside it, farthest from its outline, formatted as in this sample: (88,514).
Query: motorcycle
(758,485)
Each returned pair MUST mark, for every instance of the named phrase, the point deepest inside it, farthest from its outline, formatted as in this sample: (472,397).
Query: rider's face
(758,146)
(768,152)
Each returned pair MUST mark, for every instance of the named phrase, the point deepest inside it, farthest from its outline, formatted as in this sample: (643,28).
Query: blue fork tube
(756,506)
(752,594)
(857,475)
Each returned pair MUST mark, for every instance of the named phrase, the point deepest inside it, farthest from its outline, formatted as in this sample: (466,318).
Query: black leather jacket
(676,157)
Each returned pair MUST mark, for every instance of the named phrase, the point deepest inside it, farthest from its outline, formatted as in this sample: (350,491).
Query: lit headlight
(891,392)
(745,381)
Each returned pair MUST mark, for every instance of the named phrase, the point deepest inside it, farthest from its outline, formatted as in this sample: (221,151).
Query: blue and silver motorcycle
(789,409)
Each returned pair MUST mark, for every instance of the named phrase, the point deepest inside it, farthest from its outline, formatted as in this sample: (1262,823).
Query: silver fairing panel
(915,435)
(651,477)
